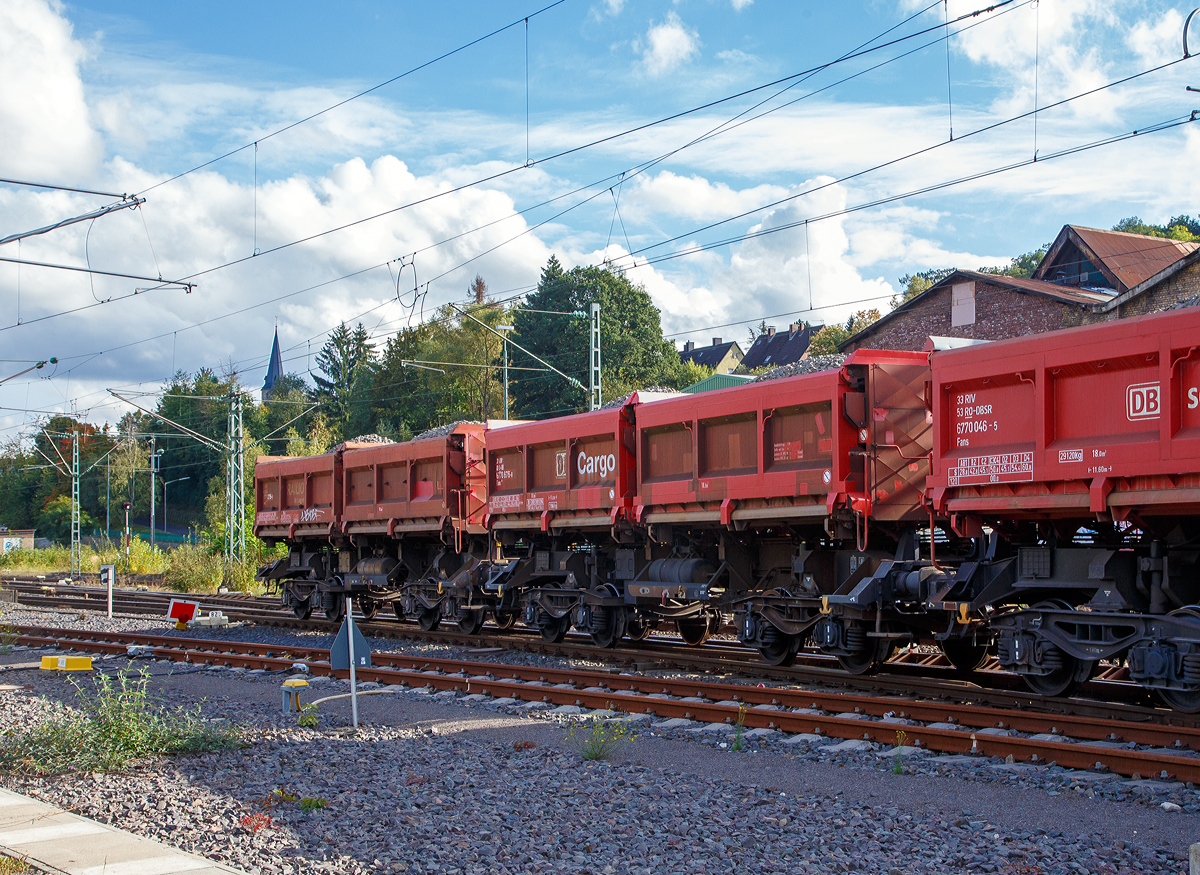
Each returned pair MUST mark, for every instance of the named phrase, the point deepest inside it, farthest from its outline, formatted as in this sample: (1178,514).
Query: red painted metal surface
(570,471)
(790,448)
(416,485)
(1101,421)
(297,495)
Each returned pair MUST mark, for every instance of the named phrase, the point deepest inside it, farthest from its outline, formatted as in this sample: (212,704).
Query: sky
(744,160)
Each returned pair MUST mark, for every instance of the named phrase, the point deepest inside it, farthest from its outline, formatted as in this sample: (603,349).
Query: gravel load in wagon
(443,430)
(804,366)
(623,400)
(371,439)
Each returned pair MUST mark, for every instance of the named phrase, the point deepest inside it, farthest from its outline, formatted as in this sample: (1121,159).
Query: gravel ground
(447,783)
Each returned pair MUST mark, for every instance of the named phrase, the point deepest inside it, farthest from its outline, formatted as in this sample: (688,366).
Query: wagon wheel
(504,620)
(965,654)
(553,629)
(867,660)
(694,630)
(471,622)
(636,628)
(302,608)
(429,618)
(398,609)
(1186,701)
(369,608)
(334,607)
(778,647)
(1065,679)
(609,623)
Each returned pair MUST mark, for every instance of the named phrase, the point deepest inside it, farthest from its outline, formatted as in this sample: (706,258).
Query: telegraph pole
(505,329)
(594,393)
(76,555)
(235,499)
(153,470)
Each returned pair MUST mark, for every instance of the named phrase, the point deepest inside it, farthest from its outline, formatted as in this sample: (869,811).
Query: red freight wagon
(564,473)
(1100,421)
(298,497)
(564,488)
(1080,450)
(417,486)
(790,449)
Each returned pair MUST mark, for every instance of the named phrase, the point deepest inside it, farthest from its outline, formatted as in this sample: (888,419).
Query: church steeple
(274,369)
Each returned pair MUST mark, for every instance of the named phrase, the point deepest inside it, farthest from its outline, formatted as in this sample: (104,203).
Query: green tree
(1184,228)
(1021,266)
(827,340)
(917,283)
(54,522)
(633,352)
(689,374)
(342,360)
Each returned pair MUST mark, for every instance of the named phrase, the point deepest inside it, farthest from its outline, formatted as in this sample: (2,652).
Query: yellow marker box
(66,663)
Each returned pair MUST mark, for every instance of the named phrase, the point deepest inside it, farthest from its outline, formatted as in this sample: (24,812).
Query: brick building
(1087,275)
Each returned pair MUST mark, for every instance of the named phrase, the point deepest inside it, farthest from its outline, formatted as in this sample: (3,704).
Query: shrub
(114,723)
(597,740)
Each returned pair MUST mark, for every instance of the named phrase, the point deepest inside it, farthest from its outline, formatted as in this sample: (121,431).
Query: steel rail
(627,698)
(922,675)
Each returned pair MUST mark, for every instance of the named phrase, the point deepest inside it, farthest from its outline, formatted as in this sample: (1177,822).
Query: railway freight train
(1036,498)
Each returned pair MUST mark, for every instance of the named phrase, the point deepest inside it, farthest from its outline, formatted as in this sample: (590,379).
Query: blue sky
(122,96)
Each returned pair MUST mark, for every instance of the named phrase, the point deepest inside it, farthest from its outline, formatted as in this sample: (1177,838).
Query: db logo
(1142,401)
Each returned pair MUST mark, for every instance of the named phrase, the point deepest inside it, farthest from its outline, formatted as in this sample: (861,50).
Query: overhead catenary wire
(588,145)
(357,96)
(864,50)
(763,208)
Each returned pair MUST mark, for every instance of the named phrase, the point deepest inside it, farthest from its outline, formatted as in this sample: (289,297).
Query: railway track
(909,673)
(1073,741)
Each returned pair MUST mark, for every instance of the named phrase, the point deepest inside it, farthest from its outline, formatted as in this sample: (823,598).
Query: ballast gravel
(444,783)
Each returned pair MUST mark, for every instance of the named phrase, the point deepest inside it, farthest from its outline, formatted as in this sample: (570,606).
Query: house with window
(774,349)
(1087,275)
(720,356)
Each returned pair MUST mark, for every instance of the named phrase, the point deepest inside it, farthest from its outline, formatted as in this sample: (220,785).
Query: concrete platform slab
(57,841)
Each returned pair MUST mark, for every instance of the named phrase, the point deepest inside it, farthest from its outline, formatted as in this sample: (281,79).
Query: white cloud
(667,45)
(739,5)
(735,56)
(45,130)
(1156,42)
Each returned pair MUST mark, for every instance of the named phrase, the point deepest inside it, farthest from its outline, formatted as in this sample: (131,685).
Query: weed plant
(308,716)
(898,766)
(13,866)
(8,638)
(597,740)
(115,722)
(739,729)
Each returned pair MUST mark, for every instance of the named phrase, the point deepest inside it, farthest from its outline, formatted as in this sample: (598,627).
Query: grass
(194,568)
(13,866)
(597,740)
(115,722)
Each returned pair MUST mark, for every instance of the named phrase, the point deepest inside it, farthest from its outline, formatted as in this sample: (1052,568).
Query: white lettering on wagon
(1000,468)
(1142,401)
(592,465)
